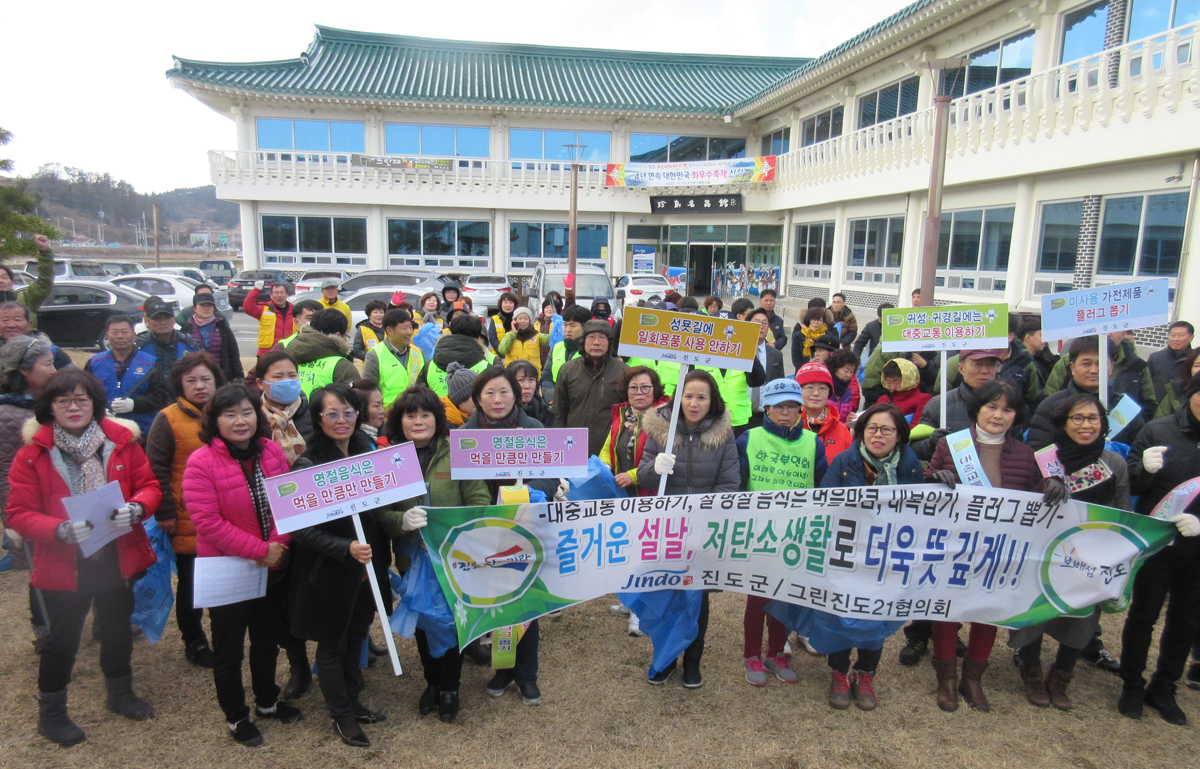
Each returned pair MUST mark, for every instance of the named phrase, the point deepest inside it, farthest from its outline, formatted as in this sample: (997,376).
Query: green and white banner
(882,553)
(952,327)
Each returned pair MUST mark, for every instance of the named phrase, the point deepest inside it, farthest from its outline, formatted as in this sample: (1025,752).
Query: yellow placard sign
(683,337)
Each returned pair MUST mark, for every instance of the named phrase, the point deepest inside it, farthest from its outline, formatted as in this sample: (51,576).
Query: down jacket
(173,437)
(850,469)
(38,487)
(15,410)
(1018,468)
(219,501)
(706,460)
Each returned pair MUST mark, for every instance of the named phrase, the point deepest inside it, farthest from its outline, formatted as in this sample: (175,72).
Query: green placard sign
(953,327)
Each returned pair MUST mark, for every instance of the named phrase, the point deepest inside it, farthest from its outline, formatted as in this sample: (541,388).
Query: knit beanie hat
(814,372)
(528,313)
(598,327)
(459,380)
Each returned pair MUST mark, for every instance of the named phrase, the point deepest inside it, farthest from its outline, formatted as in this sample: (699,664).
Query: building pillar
(251,249)
(377,237)
(616,244)
(1089,241)
(1023,246)
(245,127)
(500,243)
(841,248)
(910,262)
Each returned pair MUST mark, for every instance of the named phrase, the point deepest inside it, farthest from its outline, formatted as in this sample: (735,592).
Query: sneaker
(806,646)
(530,693)
(780,668)
(282,712)
(500,683)
(1102,659)
(663,676)
(6,563)
(635,626)
(839,691)
(862,689)
(619,610)
(755,674)
(691,676)
(199,653)
(244,732)
(1192,679)
(913,651)
(1160,695)
(556,614)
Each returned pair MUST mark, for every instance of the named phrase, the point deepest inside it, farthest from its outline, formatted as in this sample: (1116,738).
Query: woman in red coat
(75,450)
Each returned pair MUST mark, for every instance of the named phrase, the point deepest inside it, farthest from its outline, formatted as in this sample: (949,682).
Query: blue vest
(135,382)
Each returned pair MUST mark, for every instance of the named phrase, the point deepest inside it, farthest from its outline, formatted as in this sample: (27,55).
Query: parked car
(74,313)
(66,267)
(22,279)
(485,290)
(417,281)
(591,282)
(191,273)
(239,285)
(640,285)
(311,280)
(358,301)
(176,290)
(113,269)
(219,271)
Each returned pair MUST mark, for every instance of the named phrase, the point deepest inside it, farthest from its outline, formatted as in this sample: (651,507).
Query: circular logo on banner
(491,561)
(1089,563)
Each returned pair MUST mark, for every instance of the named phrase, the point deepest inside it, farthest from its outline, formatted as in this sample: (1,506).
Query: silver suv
(591,282)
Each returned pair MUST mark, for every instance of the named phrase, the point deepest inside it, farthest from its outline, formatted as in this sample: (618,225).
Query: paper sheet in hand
(97,507)
(226,579)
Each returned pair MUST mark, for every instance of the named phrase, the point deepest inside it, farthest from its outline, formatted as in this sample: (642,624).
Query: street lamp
(576,153)
(72,221)
(937,172)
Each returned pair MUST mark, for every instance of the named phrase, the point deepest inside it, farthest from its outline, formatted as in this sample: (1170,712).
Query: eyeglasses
(640,389)
(883,430)
(1079,420)
(810,389)
(332,417)
(82,404)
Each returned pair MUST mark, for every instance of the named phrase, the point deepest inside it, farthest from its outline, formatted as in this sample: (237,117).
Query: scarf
(283,429)
(507,423)
(250,460)
(840,388)
(506,319)
(526,334)
(1074,456)
(813,422)
(630,420)
(454,415)
(810,336)
(85,471)
(425,455)
(884,469)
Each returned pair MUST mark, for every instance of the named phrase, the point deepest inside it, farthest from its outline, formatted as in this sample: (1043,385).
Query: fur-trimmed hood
(113,428)
(713,432)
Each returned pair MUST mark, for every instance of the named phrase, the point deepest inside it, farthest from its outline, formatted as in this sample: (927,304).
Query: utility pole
(576,152)
(157,254)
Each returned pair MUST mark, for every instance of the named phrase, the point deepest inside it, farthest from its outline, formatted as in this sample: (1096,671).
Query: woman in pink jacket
(224,485)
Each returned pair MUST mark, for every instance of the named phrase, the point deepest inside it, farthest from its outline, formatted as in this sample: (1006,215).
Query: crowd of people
(190,438)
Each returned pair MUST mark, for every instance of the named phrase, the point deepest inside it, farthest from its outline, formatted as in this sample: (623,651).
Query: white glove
(1153,459)
(1188,525)
(563,488)
(664,464)
(414,518)
(122,405)
(127,515)
(73,532)
(258,284)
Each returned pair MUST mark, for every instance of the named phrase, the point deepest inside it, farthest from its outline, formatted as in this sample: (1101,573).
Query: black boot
(122,700)
(1133,694)
(448,706)
(301,675)
(199,653)
(428,702)
(1160,695)
(53,722)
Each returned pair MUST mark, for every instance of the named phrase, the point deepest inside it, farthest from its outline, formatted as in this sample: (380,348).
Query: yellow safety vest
(318,373)
(393,377)
(436,378)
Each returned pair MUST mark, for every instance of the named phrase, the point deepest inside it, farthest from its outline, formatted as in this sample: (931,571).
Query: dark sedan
(239,286)
(76,310)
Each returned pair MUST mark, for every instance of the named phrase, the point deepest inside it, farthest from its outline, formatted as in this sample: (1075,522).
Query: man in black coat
(767,300)
(1165,363)
(769,358)
(869,338)
(1083,364)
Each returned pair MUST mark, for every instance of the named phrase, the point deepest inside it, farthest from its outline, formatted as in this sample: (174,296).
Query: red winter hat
(814,372)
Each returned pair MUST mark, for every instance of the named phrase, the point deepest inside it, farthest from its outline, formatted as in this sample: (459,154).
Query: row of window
(706,233)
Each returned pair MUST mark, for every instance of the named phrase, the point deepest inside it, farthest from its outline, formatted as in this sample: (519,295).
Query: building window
(1060,236)
(976,240)
(1142,235)
(877,242)
(531,241)
(1150,17)
(888,103)
(437,140)
(1084,32)
(314,239)
(438,243)
(532,144)
(814,244)
(777,142)
(662,148)
(822,126)
(310,135)
(1010,59)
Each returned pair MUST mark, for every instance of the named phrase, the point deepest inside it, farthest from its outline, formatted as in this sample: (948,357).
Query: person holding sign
(1128,374)
(75,450)
(993,457)
(702,461)
(1093,474)
(418,416)
(224,484)
(1165,454)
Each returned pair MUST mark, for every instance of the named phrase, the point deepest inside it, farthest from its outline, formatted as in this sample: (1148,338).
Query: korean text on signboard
(352,485)
(688,338)
(953,327)
(1102,310)
(530,454)
(707,172)
(695,204)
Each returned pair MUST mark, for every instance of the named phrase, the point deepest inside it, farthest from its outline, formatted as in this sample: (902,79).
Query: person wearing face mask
(501,323)
(523,342)
(277,378)
(530,396)
(994,408)
(457,400)
(1093,474)
(322,353)
(167,344)
(174,436)
(36,292)
(374,414)
(602,309)
(587,387)
(211,333)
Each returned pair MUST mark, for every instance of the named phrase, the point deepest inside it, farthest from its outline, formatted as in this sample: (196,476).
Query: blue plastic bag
(828,633)
(599,483)
(670,619)
(557,333)
(426,338)
(423,605)
(152,594)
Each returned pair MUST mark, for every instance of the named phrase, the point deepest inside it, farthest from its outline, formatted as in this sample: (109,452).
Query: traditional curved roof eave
(910,25)
(203,92)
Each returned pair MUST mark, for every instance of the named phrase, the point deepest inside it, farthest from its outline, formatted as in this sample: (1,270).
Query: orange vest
(185,426)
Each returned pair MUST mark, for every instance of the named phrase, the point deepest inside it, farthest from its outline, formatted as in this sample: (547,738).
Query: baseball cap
(780,390)
(199,298)
(156,306)
(329,283)
(979,354)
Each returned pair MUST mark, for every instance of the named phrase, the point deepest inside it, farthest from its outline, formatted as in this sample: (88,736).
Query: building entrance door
(699,274)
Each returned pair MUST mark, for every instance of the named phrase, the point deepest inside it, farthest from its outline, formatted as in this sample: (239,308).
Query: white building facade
(1073,153)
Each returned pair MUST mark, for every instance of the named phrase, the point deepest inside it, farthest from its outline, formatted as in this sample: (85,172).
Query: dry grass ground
(597,711)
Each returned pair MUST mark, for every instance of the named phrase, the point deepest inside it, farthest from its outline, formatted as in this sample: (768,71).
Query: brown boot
(971,687)
(947,677)
(1056,688)
(1035,688)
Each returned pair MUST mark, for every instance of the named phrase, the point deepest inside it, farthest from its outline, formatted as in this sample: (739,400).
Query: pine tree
(18,214)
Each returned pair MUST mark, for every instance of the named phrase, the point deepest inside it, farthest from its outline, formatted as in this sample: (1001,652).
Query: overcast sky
(84,83)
